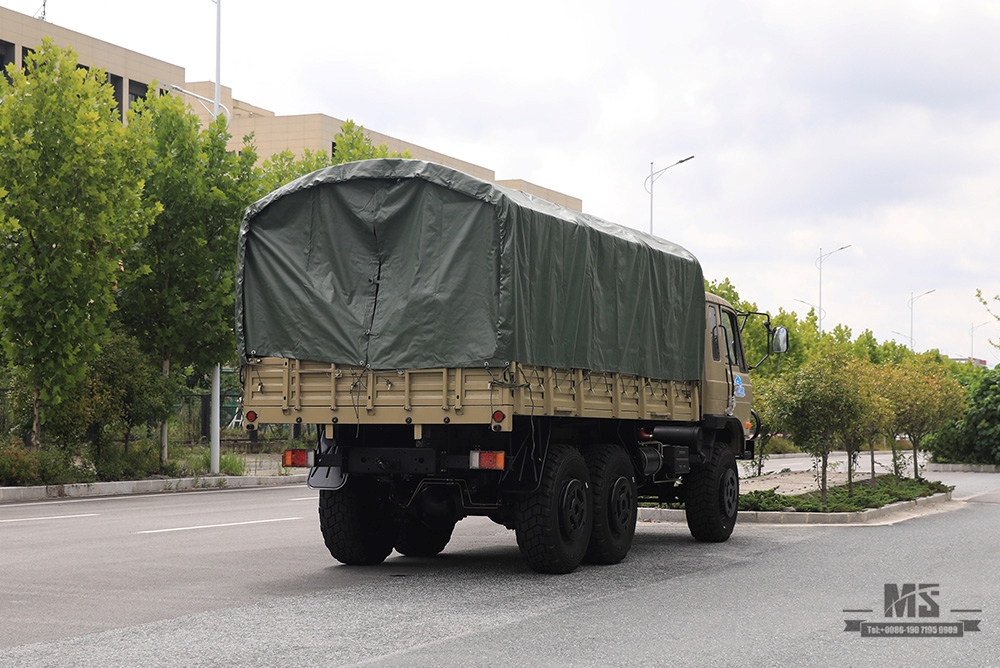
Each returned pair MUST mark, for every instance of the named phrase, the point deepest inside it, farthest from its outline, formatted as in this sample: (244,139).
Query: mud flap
(326,477)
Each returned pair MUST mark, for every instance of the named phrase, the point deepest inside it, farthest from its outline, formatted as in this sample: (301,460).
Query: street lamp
(910,304)
(651,179)
(905,337)
(819,265)
(972,331)
(812,306)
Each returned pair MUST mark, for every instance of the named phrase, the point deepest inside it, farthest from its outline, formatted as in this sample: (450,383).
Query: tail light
(291,458)
(482,459)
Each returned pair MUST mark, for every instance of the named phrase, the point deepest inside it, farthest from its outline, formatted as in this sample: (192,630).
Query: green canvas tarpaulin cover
(397,264)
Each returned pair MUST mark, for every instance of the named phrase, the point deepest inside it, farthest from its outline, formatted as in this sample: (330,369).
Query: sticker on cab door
(738,389)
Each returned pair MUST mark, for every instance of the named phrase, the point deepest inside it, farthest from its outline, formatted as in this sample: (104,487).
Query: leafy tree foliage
(818,403)
(122,389)
(282,168)
(71,179)
(178,296)
(766,405)
(873,418)
(975,438)
(924,398)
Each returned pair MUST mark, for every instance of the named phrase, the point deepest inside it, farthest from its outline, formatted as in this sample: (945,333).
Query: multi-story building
(130,74)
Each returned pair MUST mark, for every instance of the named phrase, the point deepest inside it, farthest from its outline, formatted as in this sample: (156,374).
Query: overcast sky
(813,125)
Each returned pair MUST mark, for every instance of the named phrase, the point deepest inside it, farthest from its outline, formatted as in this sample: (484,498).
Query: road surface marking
(216,526)
(50,517)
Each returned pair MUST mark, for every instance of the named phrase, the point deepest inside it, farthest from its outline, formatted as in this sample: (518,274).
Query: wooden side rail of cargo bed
(281,390)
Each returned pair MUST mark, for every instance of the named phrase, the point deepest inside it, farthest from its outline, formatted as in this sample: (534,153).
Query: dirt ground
(791,483)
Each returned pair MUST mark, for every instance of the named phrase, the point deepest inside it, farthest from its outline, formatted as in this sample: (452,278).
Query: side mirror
(779,341)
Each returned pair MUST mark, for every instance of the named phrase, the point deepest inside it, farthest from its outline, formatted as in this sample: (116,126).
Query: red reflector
(486,460)
(290,458)
(498,416)
(251,416)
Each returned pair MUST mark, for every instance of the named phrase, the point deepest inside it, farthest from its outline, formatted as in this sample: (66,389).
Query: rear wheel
(612,478)
(355,522)
(712,497)
(417,539)
(553,525)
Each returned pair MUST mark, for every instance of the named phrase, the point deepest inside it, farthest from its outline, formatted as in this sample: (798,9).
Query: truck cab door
(726,373)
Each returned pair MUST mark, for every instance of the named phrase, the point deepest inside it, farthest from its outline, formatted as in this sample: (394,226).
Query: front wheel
(553,525)
(712,497)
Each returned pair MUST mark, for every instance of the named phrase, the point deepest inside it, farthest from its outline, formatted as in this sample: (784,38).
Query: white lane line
(216,526)
(50,517)
(304,498)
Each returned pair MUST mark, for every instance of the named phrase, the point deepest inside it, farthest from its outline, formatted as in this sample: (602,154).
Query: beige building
(130,74)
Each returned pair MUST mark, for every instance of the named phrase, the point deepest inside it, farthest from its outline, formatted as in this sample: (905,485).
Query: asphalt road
(241,578)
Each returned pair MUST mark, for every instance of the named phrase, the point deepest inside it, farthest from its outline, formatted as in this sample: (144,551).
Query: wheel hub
(621,504)
(730,493)
(573,508)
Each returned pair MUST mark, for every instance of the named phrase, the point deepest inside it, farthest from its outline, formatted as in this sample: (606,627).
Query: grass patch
(889,490)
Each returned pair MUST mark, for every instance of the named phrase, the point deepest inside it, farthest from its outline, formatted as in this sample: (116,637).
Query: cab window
(730,334)
(713,327)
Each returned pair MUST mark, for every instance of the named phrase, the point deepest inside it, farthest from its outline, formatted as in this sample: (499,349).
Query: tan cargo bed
(286,390)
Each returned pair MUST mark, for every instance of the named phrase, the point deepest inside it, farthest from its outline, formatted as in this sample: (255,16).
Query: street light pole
(819,265)
(972,331)
(651,179)
(910,304)
(215,445)
(218,56)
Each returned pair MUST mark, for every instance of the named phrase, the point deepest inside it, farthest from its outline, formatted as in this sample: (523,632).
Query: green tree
(867,346)
(974,439)
(873,415)
(766,405)
(178,300)
(282,168)
(817,403)
(71,180)
(123,388)
(924,397)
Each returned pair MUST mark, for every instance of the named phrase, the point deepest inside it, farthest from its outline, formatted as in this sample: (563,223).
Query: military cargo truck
(467,349)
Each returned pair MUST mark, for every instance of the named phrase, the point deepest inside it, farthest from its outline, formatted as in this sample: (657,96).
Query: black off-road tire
(612,482)
(355,523)
(712,497)
(417,539)
(553,525)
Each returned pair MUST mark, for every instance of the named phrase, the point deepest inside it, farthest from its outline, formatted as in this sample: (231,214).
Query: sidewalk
(261,470)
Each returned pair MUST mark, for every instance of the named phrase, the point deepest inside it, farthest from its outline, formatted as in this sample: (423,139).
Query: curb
(964,468)
(40,492)
(779,517)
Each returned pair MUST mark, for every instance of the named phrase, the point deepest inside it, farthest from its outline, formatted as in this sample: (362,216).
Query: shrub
(46,466)
(113,462)
(889,490)
(18,465)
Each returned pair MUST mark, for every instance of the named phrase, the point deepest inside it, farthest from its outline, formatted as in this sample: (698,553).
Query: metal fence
(190,422)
